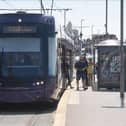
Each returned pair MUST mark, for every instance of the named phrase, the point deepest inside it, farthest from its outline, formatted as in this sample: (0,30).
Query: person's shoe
(85,88)
(77,89)
(71,87)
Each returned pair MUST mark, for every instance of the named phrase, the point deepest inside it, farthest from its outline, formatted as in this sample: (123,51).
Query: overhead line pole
(122,84)
(106,19)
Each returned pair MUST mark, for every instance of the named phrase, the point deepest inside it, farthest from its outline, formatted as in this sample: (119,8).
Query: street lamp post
(81,29)
(92,28)
(93,49)
(65,10)
(81,32)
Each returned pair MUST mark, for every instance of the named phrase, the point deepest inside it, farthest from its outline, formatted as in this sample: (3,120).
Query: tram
(30,58)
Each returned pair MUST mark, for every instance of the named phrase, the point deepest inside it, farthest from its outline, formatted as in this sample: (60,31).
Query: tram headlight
(38,83)
(41,82)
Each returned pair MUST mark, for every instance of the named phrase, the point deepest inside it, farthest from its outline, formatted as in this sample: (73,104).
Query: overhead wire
(42,6)
(52,6)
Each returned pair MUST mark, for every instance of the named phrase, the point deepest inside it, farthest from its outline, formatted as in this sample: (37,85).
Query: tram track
(32,121)
(30,117)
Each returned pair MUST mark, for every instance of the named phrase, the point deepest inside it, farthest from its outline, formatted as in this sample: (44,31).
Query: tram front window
(20,57)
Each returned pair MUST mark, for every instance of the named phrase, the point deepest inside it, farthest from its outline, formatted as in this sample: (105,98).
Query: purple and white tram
(30,60)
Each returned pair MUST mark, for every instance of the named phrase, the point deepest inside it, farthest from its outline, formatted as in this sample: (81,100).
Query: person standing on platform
(85,59)
(90,71)
(80,67)
(66,72)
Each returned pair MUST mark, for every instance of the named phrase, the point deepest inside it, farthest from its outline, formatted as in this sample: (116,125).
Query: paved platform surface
(91,108)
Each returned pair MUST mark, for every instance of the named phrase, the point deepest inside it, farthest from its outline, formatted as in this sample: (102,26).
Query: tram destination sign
(19,29)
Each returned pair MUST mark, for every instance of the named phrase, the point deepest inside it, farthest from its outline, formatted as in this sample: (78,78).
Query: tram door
(66,58)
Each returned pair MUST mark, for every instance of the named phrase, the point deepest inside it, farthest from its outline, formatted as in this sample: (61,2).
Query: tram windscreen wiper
(1,61)
(3,71)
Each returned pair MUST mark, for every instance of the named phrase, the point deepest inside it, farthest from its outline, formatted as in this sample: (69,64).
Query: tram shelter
(108,72)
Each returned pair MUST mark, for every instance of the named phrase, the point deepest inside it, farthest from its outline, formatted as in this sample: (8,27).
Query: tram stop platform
(90,108)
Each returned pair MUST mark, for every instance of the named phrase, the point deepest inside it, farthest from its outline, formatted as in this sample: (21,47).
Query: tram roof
(110,42)
(26,17)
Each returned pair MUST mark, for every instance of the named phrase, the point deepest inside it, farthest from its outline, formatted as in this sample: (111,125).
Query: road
(26,115)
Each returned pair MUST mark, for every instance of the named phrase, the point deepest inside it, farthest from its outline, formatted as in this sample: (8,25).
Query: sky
(91,11)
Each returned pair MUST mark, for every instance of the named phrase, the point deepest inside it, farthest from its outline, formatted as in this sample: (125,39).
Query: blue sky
(92,11)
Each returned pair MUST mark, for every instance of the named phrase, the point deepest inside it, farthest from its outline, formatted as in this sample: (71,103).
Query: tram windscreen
(20,56)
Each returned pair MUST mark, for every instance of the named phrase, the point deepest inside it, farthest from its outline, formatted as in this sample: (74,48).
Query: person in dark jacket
(66,72)
(81,67)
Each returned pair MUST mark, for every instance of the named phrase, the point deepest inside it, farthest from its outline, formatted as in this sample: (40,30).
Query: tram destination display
(19,29)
